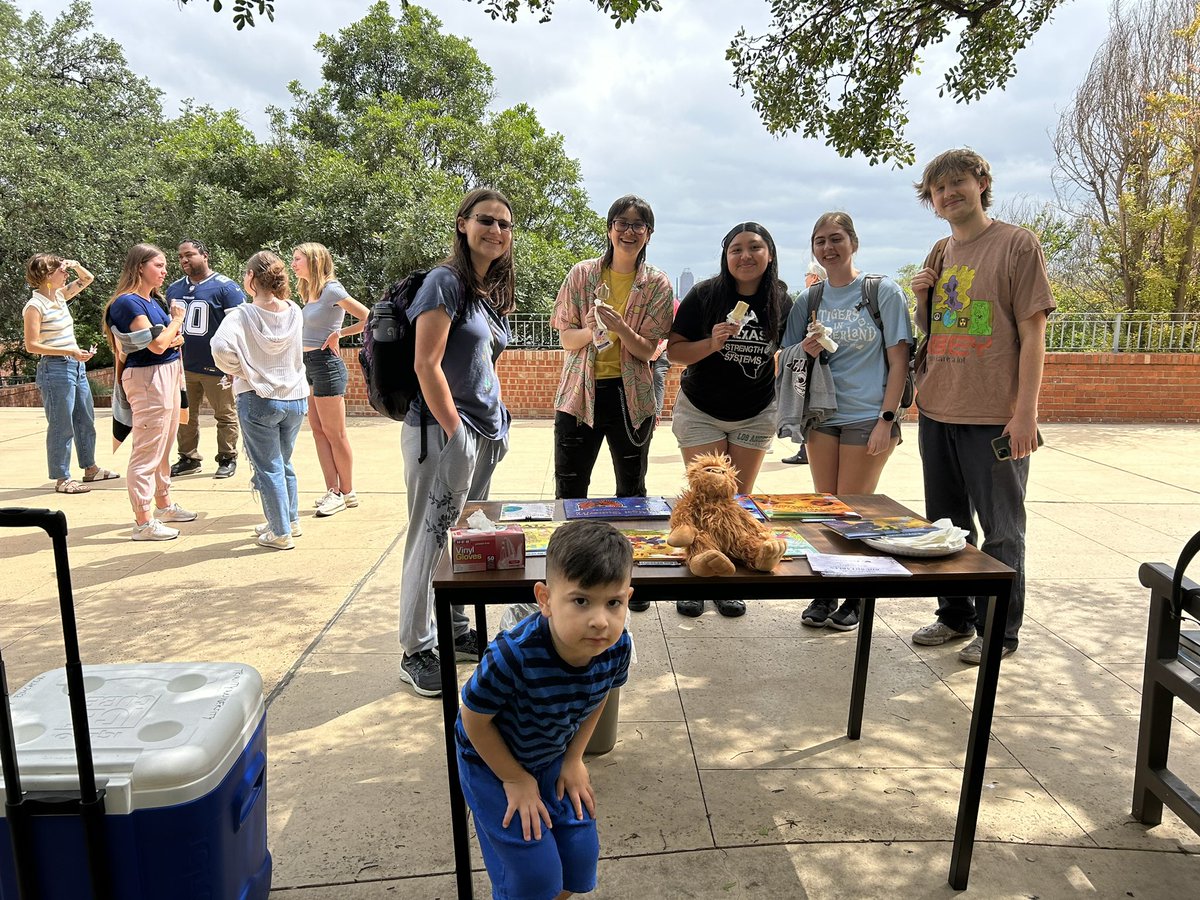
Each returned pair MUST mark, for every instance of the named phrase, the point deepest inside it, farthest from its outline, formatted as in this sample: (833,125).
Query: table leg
(862,659)
(458,804)
(481,627)
(977,741)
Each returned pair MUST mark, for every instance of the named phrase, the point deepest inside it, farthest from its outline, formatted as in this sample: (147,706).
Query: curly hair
(954,162)
(40,267)
(269,274)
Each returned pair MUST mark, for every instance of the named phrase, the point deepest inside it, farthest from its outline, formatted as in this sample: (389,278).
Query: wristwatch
(888,415)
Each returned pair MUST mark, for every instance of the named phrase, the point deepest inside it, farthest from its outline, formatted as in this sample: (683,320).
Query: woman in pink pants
(152,379)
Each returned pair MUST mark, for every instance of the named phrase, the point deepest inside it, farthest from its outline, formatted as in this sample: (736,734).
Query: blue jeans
(963,479)
(67,400)
(269,429)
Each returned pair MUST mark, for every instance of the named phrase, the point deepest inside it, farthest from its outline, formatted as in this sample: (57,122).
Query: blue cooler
(181,752)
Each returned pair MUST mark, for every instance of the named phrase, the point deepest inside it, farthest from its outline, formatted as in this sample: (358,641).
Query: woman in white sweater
(260,345)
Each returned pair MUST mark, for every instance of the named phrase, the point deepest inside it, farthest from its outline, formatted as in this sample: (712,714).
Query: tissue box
(479,551)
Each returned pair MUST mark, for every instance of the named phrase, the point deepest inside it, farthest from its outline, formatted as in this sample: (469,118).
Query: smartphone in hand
(1003,448)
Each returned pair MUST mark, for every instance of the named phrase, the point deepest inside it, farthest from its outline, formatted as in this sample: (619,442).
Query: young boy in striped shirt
(531,707)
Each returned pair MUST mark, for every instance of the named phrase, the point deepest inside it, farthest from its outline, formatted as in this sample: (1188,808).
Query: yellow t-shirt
(608,362)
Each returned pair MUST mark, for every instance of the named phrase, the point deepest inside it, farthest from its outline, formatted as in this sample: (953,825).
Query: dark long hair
(499,283)
(619,206)
(720,292)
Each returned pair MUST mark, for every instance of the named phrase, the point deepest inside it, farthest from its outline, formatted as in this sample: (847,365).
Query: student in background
(259,344)
(607,389)
(726,401)
(61,376)
(326,303)
(456,431)
(530,709)
(152,379)
(848,450)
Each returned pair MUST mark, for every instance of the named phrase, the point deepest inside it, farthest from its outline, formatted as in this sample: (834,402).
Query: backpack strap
(870,294)
(815,293)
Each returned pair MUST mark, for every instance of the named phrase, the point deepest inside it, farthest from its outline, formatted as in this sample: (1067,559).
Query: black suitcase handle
(91,800)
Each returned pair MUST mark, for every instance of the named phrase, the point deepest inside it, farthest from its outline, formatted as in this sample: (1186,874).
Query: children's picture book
(883,526)
(810,507)
(527,512)
(651,546)
(747,503)
(797,544)
(618,508)
(537,536)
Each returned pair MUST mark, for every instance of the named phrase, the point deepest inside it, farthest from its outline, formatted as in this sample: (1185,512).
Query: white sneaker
(265,527)
(268,539)
(329,493)
(174,513)
(332,503)
(351,499)
(154,530)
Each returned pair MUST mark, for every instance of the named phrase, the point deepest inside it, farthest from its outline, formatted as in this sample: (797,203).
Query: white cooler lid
(162,733)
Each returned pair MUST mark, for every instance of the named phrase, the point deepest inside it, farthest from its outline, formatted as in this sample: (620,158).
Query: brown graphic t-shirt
(986,287)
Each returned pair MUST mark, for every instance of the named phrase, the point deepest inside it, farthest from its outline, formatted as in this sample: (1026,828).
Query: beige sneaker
(268,539)
(265,527)
(154,530)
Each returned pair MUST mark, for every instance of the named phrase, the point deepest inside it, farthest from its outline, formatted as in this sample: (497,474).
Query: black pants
(576,446)
(963,479)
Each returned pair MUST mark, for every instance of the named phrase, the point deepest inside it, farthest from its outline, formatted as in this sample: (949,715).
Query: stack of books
(881,527)
(803,507)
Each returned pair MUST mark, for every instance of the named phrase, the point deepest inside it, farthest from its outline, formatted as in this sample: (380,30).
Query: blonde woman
(61,378)
(326,303)
(152,379)
(259,344)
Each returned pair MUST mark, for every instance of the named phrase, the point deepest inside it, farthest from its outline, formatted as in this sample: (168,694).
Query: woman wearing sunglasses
(456,431)
(611,314)
(727,332)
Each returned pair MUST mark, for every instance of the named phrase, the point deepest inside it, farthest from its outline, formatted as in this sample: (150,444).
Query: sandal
(70,486)
(101,474)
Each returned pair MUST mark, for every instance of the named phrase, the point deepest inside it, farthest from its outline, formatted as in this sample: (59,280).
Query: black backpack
(388,353)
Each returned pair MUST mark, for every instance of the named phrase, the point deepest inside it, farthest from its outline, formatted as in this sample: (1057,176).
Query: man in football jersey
(206,295)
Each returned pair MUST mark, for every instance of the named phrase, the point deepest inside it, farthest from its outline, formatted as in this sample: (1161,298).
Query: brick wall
(28,395)
(1076,387)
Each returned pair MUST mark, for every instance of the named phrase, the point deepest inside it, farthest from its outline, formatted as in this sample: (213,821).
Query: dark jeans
(576,446)
(963,479)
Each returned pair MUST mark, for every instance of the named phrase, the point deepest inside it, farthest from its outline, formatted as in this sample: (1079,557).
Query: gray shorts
(856,434)
(693,428)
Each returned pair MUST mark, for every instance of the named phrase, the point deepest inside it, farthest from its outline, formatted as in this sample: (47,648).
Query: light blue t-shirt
(323,316)
(859,367)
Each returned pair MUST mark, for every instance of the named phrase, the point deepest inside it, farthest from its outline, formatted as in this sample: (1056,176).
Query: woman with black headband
(726,332)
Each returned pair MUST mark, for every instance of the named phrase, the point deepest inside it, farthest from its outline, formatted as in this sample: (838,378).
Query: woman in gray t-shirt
(326,303)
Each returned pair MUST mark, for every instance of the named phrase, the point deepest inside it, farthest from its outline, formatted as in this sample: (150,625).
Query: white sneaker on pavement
(154,530)
(329,493)
(174,513)
(351,499)
(269,539)
(331,503)
(266,526)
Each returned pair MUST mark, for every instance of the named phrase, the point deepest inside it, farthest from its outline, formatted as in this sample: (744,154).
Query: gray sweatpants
(454,472)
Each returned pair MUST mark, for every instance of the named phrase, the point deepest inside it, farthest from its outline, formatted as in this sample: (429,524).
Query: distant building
(685,283)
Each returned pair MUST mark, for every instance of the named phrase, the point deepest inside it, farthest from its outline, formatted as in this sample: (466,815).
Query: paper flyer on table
(847,565)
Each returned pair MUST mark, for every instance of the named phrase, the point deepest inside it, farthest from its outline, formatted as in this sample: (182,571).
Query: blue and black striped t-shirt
(538,700)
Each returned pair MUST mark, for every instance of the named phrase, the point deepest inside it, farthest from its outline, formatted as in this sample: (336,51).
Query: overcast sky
(649,109)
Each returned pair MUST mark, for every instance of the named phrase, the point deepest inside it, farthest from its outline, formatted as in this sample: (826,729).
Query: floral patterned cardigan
(649,312)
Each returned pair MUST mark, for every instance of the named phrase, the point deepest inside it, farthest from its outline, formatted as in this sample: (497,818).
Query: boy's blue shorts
(563,860)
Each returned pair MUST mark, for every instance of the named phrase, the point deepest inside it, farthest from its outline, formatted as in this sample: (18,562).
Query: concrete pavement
(732,776)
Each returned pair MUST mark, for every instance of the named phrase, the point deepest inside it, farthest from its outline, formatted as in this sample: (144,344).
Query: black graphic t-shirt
(738,381)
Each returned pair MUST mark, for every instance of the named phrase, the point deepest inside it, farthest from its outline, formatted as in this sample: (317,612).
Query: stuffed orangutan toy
(708,521)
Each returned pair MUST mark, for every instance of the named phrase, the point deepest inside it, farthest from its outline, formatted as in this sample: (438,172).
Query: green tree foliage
(836,70)
(372,163)
(243,10)
(77,166)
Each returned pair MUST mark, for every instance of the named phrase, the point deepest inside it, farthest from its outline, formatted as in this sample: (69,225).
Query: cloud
(648,109)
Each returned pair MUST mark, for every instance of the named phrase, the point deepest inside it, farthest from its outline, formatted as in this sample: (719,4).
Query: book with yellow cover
(651,546)
(811,507)
(537,536)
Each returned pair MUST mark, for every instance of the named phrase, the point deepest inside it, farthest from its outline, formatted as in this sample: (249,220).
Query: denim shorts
(855,434)
(326,372)
(693,428)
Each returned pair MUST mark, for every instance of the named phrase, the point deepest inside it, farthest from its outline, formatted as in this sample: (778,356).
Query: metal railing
(1065,333)
(1136,332)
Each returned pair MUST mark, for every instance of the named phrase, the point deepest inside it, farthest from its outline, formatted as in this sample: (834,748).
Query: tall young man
(207,296)
(987,290)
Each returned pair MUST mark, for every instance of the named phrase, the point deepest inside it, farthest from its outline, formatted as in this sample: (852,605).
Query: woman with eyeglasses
(326,304)
(848,450)
(456,431)
(727,332)
(611,314)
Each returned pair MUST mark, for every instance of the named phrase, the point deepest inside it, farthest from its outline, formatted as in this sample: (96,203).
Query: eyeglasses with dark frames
(623,225)
(489,221)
